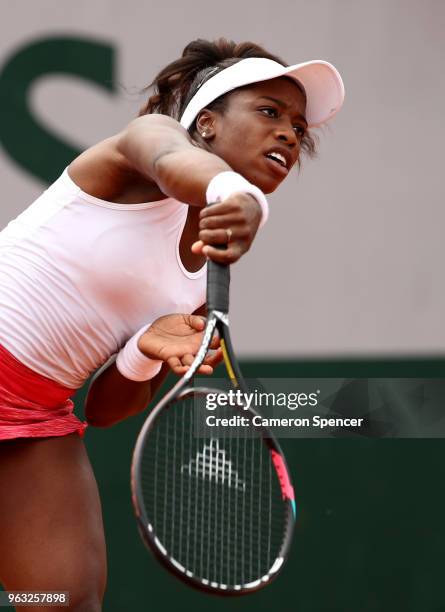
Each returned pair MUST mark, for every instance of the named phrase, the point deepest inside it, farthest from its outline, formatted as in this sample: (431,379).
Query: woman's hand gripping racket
(218,512)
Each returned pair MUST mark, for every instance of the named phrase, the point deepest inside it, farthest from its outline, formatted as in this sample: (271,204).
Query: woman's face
(259,120)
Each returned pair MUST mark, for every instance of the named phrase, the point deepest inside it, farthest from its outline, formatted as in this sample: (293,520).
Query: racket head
(218,513)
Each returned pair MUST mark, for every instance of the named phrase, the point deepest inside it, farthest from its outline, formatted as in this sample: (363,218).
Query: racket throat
(228,364)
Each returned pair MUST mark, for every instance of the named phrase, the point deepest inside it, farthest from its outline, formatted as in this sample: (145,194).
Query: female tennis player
(110,260)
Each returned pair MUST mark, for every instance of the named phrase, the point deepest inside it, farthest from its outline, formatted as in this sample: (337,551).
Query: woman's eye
(299,131)
(270,112)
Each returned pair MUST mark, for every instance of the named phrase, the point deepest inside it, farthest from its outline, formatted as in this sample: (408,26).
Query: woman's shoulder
(103,172)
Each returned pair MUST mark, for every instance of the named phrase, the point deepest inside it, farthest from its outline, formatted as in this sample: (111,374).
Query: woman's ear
(205,124)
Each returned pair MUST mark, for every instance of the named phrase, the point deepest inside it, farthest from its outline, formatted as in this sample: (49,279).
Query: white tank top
(79,276)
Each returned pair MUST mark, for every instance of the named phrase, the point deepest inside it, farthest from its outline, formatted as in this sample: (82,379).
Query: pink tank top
(79,276)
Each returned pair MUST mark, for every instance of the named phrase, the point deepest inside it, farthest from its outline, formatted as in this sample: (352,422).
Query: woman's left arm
(112,397)
(174,339)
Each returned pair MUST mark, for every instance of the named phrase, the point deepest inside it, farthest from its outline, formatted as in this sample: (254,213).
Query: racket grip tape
(218,283)
(218,280)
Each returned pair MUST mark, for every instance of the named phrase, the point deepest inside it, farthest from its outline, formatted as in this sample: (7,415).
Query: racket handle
(218,283)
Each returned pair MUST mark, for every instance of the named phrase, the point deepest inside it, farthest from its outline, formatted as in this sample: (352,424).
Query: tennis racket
(217,512)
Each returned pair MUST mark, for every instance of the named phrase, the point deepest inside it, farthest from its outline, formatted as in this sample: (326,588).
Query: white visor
(321,81)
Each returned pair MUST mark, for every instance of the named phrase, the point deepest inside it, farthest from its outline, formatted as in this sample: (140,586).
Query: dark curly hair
(176,84)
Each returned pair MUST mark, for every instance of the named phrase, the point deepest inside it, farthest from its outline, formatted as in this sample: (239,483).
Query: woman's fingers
(197,247)
(230,207)
(197,322)
(180,363)
(187,360)
(223,256)
(215,343)
(220,221)
(218,236)
(214,358)
(176,366)
(232,223)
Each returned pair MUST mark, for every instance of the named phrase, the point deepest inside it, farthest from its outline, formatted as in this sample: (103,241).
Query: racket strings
(214,503)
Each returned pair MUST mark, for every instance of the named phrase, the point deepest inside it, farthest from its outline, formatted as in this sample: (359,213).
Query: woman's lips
(277,167)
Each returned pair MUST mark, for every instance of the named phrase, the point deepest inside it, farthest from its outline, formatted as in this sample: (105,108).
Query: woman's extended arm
(153,148)
(160,149)
(156,152)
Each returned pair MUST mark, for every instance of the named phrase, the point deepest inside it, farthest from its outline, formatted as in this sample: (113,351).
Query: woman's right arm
(157,150)
(161,150)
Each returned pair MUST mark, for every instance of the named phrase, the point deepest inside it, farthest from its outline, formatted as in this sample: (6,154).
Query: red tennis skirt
(31,405)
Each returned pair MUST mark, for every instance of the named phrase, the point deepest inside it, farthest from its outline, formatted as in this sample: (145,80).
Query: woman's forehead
(284,89)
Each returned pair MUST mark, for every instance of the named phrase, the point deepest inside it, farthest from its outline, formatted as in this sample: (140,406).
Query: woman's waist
(18,379)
